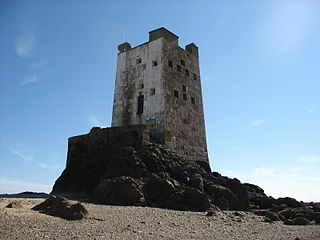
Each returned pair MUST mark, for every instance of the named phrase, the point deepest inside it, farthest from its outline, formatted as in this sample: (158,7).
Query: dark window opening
(140,104)
(138,60)
(187,73)
(194,76)
(184,88)
(183,63)
(152,91)
(154,63)
(176,93)
(179,68)
(192,100)
(170,63)
(185,97)
(140,86)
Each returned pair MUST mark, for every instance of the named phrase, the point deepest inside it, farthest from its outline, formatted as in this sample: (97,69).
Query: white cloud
(9,185)
(25,44)
(48,166)
(294,182)
(33,79)
(308,159)
(19,153)
(297,182)
(258,122)
(290,23)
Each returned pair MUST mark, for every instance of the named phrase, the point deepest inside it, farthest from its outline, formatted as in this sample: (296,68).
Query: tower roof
(162,32)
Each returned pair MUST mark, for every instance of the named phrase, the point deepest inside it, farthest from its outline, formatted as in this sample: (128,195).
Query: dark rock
(146,175)
(290,202)
(210,213)
(189,199)
(272,216)
(14,204)
(120,190)
(196,181)
(297,221)
(63,208)
(126,170)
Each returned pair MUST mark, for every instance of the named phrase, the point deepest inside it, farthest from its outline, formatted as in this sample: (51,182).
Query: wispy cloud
(48,166)
(25,44)
(290,23)
(258,122)
(19,153)
(308,159)
(31,80)
(94,121)
(10,185)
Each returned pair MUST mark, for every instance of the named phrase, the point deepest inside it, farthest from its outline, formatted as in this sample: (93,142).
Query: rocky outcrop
(289,210)
(63,208)
(148,174)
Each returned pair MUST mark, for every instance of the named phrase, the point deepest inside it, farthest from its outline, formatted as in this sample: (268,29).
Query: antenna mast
(122,25)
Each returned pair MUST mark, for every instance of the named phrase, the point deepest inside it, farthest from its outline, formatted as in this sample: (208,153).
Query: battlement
(161,33)
(126,136)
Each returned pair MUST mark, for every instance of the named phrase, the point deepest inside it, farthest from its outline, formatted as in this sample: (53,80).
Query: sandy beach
(128,222)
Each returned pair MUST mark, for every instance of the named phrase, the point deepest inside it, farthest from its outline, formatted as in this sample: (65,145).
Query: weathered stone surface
(297,221)
(14,204)
(120,190)
(149,174)
(63,208)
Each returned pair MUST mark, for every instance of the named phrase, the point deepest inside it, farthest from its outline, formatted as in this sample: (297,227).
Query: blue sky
(260,70)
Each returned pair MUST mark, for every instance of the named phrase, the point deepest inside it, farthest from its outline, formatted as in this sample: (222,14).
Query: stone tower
(158,84)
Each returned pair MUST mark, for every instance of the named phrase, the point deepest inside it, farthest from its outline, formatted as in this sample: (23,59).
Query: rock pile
(155,176)
(148,176)
(61,207)
(289,210)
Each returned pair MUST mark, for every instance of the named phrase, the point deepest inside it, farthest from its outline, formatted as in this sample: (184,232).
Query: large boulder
(63,208)
(14,204)
(120,190)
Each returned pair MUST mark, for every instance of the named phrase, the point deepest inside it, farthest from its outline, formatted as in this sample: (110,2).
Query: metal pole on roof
(122,32)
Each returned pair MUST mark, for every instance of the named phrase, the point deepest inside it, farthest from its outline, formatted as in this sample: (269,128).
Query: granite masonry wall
(158,84)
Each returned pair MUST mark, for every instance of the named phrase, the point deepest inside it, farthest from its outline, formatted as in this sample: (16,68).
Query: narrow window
(170,63)
(192,100)
(176,93)
(187,73)
(194,76)
(152,91)
(140,86)
(138,60)
(178,68)
(184,89)
(140,104)
(183,63)
(154,63)
(185,97)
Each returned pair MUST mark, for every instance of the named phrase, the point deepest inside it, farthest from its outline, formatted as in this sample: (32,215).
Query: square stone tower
(158,84)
